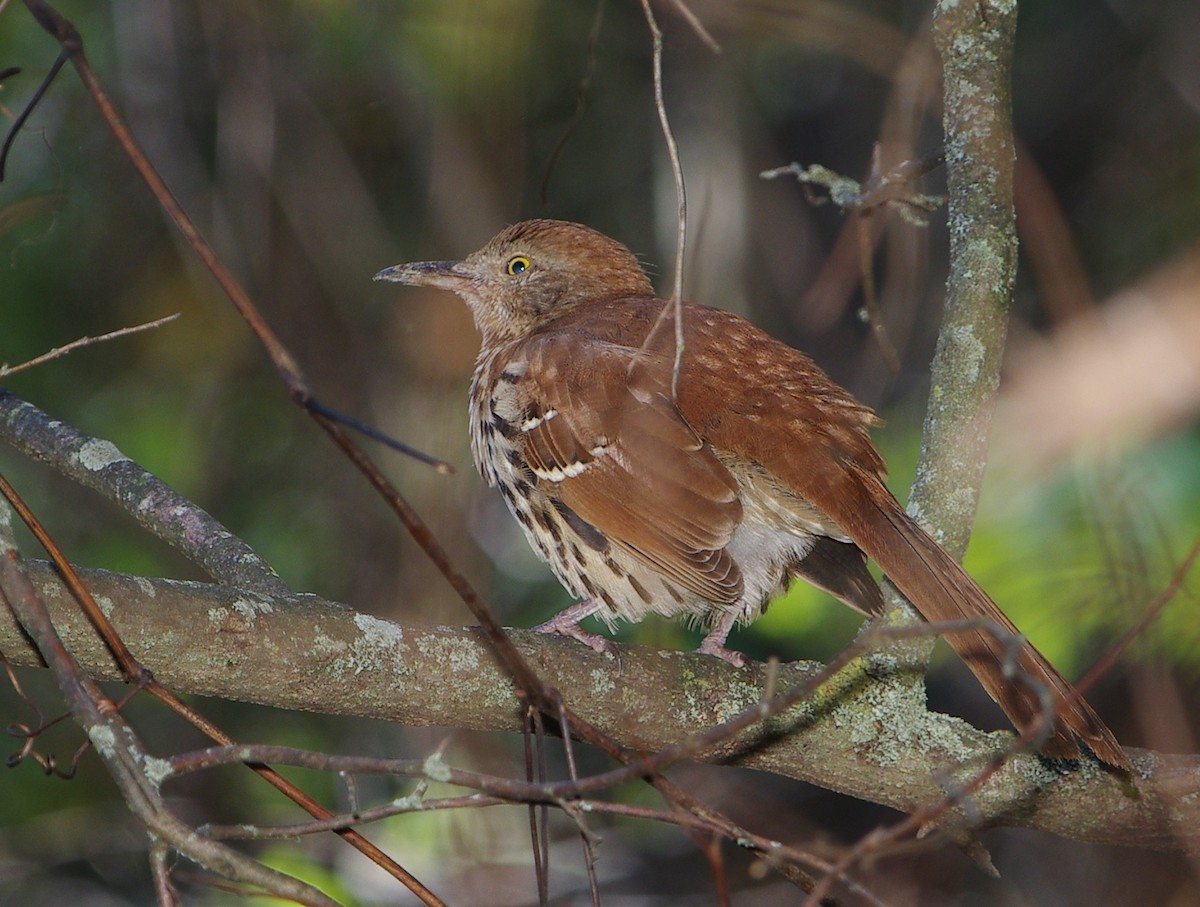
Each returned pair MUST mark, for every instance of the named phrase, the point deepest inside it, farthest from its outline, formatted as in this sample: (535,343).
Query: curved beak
(446,275)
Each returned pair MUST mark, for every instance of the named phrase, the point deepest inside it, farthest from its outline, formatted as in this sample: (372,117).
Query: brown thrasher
(706,501)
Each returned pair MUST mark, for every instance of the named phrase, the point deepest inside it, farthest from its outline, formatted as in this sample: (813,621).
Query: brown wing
(605,439)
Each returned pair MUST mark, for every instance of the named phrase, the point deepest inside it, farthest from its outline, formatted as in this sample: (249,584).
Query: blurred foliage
(317,142)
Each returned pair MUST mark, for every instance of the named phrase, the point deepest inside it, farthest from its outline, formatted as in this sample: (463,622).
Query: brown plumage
(709,501)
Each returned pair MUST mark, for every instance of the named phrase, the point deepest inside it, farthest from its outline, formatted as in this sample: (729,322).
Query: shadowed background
(316,144)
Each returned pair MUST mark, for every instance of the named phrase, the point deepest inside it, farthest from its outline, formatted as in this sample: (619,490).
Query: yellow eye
(518,264)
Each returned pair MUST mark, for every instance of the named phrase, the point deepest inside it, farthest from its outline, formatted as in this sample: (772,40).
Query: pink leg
(714,642)
(566,623)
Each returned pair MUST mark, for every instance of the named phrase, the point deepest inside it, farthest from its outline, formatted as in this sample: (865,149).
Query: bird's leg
(714,642)
(566,623)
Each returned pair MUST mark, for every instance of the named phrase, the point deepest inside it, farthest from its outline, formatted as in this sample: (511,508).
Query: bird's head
(529,274)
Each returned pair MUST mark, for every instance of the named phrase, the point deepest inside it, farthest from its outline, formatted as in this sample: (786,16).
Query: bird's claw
(566,623)
(711,647)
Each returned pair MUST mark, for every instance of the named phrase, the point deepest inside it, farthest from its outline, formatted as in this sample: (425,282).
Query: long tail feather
(943,591)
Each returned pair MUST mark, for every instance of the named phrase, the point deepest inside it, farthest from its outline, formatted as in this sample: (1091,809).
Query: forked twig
(861,201)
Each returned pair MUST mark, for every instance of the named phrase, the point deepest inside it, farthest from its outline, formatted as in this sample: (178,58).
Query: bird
(700,481)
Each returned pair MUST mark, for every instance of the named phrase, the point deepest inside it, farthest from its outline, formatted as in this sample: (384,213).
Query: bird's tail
(1015,674)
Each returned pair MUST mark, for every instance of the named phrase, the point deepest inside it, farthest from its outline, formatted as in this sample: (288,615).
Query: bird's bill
(447,275)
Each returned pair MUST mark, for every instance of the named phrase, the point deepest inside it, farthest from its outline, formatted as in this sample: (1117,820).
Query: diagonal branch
(163,511)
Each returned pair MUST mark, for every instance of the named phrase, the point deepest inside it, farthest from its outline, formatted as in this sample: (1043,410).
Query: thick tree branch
(858,737)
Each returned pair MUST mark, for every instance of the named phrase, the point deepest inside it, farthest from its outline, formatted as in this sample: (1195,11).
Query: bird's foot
(566,623)
(712,647)
(714,642)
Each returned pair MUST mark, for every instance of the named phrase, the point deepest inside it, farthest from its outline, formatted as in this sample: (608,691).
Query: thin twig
(880,189)
(315,406)
(676,302)
(59,61)
(586,838)
(866,251)
(860,200)
(1153,612)
(58,352)
(697,26)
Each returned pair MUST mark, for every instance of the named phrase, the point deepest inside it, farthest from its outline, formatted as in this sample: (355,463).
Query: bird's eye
(517,265)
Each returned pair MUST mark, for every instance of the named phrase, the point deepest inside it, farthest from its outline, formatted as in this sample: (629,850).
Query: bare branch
(99,465)
(697,26)
(861,201)
(859,737)
(676,303)
(58,352)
